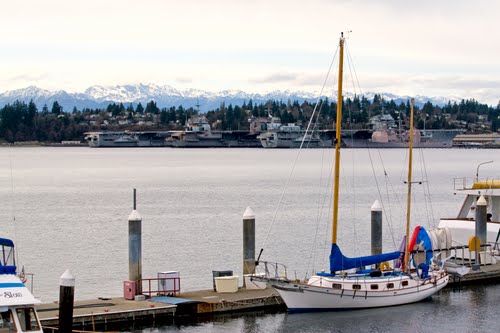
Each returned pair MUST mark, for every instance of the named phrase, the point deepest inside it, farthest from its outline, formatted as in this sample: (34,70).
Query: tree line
(22,121)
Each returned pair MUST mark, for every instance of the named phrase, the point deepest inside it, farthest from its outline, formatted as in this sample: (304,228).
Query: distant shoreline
(42,144)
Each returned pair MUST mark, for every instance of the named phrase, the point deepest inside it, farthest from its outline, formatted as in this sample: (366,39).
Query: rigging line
(323,197)
(350,64)
(313,250)
(433,219)
(388,184)
(380,196)
(352,206)
(296,158)
(398,197)
(329,188)
(427,190)
(319,97)
(13,208)
(353,68)
(421,169)
(315,123)
(326,240)
(353,210)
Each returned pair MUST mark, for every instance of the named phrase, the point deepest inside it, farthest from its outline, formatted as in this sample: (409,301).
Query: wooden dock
(91,313)
(106,311)
(486,274)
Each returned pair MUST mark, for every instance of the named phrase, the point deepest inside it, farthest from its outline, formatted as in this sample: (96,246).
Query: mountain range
(167,96)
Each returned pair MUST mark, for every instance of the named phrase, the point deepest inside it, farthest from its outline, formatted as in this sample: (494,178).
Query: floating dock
(487,274)
(106,311)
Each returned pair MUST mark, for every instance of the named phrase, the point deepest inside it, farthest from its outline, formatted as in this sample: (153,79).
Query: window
(28,319)
(390,285)
(404,283)
(336,286)
(6,322)
(356,286)
(374,286)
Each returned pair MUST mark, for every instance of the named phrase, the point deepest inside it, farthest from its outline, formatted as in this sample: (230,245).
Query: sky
(445,48)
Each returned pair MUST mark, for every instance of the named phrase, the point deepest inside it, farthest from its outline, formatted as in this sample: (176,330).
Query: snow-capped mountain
(166,96)
(130,92)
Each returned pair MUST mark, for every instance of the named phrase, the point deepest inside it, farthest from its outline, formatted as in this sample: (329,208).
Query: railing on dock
(462,256)
(170,286)
(47,329)
(467,183)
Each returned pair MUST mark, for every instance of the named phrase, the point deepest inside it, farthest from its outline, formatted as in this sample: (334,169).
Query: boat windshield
(6,322)
(7,260)
(27,319)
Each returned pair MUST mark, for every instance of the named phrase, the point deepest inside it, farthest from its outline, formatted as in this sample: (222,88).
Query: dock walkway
(108,310)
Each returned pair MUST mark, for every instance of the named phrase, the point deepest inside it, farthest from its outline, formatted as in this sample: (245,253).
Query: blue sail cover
(339,262)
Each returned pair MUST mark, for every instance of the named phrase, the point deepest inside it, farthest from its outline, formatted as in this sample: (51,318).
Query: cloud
(276,78)
(184,80)
(10,81)
(27,77)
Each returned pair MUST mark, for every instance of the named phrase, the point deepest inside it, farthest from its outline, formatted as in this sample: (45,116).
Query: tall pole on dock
(135,248)
(248,242)
(481,222)
(376,230)
(66,300)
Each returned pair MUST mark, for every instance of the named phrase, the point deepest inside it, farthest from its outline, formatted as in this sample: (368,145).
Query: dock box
(220,273)
(226,284)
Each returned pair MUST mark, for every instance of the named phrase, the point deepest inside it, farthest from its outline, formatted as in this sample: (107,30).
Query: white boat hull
(302,297)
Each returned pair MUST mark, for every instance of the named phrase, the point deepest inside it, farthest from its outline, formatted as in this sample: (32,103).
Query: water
(67,208)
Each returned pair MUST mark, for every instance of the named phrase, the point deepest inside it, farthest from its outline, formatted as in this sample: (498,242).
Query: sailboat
(365,288)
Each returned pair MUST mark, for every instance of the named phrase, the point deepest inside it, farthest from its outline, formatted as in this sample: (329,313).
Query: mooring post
(376,217)
(66,298)
(135,248)
(481,208)
(248,242)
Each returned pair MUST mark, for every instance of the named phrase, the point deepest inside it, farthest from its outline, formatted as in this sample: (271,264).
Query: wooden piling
(248,242)
(376,229)
(135,248)
(480,230)
(66,300)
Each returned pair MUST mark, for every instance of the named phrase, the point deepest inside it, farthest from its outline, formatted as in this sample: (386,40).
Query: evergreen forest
(22,122)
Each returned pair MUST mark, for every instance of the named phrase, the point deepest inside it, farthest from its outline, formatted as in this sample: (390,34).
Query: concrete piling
(481,208)
(66,300)
(135,248)
(248,242)
(376,229)
(480,229)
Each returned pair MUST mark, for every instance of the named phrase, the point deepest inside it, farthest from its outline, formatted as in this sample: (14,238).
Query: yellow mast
(337,143)
(408,203)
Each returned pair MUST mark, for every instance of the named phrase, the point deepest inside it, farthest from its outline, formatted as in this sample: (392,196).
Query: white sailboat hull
(302,297)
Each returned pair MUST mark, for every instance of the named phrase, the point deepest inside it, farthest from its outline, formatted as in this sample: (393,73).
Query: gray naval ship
(383,138)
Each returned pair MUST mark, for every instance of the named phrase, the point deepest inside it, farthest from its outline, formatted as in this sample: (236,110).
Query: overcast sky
(448,48)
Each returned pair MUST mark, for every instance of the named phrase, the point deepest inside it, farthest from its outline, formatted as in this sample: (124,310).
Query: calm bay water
(68,208)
